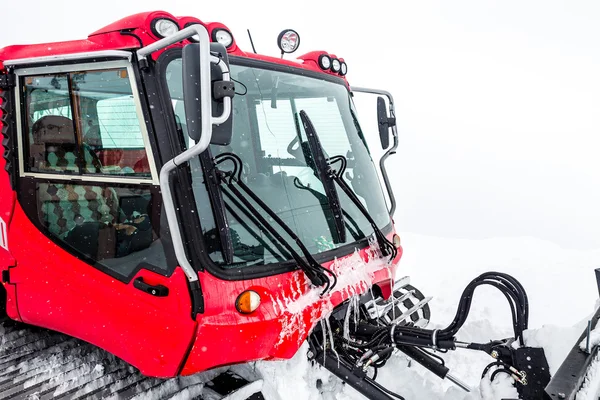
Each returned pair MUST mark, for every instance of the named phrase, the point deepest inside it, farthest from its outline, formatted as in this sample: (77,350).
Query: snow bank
(591,384)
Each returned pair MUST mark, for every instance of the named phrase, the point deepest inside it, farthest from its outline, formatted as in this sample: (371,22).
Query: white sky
(498,102)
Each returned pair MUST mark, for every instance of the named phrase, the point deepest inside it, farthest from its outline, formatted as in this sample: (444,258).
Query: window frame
(22,73)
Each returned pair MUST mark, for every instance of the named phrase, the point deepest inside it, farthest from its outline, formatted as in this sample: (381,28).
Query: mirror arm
(391,150)
(226,100)
(206,106)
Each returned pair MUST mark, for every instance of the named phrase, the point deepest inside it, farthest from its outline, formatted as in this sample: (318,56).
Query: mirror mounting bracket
(222,89)
(391,150)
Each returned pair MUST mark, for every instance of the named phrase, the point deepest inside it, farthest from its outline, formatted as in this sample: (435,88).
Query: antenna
(251,42)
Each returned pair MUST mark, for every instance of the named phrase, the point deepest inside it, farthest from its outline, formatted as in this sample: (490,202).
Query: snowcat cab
(185,205)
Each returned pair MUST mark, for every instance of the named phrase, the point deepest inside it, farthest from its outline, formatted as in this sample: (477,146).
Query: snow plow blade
(571,375)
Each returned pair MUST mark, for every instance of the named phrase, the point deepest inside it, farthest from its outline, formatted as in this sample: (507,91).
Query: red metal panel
(7,202)
(57,291)
(114,41)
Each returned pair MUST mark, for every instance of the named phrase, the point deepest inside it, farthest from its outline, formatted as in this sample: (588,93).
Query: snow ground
(562,292)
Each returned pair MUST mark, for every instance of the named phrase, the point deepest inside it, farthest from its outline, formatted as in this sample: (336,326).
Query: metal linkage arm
(391,150)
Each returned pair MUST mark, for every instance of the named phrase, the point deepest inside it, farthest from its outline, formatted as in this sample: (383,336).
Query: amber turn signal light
(396,241)
(247,302)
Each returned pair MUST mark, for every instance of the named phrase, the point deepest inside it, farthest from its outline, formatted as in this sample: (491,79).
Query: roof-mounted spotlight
(324,61)
(163,27)
(222,36)
(336,65)
(343,68)
(288,41)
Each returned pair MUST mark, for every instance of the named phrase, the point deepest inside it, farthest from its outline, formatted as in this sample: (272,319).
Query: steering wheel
(294,151)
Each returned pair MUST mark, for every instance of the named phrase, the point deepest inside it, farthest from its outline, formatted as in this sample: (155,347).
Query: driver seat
(54,147)
(64,207)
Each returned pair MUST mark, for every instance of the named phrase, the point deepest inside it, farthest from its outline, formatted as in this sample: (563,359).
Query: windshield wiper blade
(217,205)
(387,248)
(325,170)
(316,273)
(321,167)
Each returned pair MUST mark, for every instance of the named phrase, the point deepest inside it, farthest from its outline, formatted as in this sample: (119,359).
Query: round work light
(288,41)
(324,61)
(335,65)
(222,36)
(163,27)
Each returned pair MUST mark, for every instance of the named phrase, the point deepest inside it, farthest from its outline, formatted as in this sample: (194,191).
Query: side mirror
(221,134)
(384,123)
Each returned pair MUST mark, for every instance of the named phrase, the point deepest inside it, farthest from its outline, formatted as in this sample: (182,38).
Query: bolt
(562,396)
(494,354)
(310,354)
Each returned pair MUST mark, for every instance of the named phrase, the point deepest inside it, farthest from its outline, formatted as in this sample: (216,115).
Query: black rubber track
(38,364)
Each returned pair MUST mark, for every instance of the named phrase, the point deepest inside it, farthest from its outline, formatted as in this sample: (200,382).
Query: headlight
(335,65)
(222,36)
(324,61)
(163,27)
(288,41)
(343,69)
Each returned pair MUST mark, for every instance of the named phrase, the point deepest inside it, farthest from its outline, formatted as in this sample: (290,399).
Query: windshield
(271,142)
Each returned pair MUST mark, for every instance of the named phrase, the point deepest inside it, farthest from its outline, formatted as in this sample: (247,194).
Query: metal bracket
(390,122)
(532,362)
(143,64)
(223,89)
(392,150)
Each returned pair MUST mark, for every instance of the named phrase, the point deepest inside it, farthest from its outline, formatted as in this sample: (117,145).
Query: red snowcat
(182,205)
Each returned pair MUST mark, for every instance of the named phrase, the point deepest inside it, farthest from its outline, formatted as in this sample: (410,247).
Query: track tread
(38,364)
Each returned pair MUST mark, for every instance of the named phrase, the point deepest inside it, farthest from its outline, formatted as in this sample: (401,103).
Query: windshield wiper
(318,162)
(316,273)
(328,174)
(244,222)
(218,206)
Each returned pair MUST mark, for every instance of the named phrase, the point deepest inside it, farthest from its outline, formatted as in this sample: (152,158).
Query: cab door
(86,232)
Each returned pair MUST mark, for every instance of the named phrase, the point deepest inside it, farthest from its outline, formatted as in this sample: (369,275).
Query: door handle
(154,290)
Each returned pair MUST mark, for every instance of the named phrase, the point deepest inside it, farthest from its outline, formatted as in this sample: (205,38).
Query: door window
(84,122)
(109,224)
(86,125)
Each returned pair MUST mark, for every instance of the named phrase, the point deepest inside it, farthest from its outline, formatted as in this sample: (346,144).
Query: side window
(84,123)
(51,133)
(111,225)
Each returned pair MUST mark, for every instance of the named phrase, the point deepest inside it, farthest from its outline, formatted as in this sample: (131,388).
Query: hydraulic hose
(445,338)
